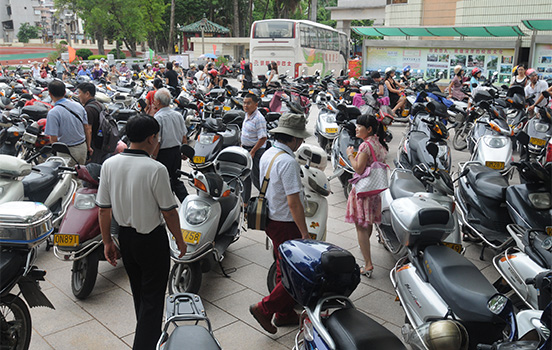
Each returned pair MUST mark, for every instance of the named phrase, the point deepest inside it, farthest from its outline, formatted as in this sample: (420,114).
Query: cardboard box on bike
(24,224)
(418,220)
(329,270)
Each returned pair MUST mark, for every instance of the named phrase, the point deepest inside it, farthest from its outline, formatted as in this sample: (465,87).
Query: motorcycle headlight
(495,142)
(330,118)
(208,139)
(85,201)
(197,212)
(540,200)
(310,208)
(541,127)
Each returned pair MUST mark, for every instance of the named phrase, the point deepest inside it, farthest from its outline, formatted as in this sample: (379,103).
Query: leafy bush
(26,32)
(84,53)
(114,53)
(96,57)
(63,42)
(52,56)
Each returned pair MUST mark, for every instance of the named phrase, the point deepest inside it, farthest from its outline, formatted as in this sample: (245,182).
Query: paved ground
(106,319)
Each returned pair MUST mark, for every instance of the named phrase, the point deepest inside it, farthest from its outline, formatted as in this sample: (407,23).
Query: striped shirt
(253,129)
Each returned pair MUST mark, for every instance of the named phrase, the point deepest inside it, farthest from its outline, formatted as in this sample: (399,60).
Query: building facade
(13,13)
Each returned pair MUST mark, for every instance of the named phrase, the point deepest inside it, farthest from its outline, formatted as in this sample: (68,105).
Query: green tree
(26,32)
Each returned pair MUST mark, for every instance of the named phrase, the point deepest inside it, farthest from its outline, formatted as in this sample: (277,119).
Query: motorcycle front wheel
(460,140)
(185,278)
(15,323)
(83,275)
(271,278)
(347,186)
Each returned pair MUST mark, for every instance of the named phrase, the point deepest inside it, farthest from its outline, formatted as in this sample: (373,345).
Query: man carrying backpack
(86,93)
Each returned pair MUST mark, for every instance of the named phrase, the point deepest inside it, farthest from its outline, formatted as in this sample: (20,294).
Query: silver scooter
(527,267)
(210,220)
(435,283)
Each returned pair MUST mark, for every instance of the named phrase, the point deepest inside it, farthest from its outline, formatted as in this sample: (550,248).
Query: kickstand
(226,272)
(482,255)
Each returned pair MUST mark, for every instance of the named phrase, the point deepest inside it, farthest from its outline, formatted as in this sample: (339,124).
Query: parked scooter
(423,182)
(79,238)
(23,226)
(526,268)
(539,129)
(326,128)
(312,160)
(210,220)
(435,283)
(214,136)
(186,307)
(320,276)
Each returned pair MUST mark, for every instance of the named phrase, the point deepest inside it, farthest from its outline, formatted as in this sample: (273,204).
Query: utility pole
(313,10)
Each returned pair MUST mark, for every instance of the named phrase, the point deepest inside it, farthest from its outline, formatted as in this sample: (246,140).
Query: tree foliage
(26,32)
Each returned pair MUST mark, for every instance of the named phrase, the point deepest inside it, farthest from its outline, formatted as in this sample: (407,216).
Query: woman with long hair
(365,211)
(520,78)
(455,87)
(273,72)
(396,96)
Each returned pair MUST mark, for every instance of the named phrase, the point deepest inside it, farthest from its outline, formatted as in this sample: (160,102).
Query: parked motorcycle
(23,226)
(211,219)
(320,276)
(539,129)
(214,136)
(424,182)
(186,307)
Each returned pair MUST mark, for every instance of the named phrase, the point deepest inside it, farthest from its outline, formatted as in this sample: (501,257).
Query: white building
(13,13)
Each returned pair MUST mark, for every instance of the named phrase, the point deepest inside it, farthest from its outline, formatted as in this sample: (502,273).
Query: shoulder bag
(257,208)
(374,179)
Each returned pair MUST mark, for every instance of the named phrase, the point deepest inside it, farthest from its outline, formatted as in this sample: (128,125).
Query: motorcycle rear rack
(505,255)
(87,248)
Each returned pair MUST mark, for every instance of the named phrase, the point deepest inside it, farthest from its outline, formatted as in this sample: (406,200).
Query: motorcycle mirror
(484,104)
(432,149)
(474,85)
(504,87)
(187,151)
(492,93)
(46,149)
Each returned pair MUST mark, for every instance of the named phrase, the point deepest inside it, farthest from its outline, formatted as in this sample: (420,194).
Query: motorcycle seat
(10,266)
(39,183)
(192,337)
(226,205)
(448,272)
(352,330)
(487,182)
(405,184)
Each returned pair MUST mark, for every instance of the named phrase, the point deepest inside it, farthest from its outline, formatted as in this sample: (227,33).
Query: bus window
(273,29)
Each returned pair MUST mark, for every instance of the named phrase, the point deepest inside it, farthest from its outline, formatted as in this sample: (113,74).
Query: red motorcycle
(79,238)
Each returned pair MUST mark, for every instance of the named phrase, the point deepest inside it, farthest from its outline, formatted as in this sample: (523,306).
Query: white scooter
(210,220)
(326,127)
(317,187)
(527,266)
(50,183)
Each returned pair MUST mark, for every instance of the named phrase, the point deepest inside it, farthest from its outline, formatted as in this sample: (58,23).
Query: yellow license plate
(456,247)
(331,130)
(199,160)
(312,235)
(549,230)
(405,112)
(495,165)
(352,94)
(226,108)
(537,142)
(66,239)
(191,237)
(342,89)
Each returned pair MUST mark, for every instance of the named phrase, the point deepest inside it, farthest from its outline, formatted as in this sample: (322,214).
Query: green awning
(468,31)
(538,24)
(208,27)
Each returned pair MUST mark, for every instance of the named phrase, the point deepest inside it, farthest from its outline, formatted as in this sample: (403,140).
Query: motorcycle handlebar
(180,172)
(66,168)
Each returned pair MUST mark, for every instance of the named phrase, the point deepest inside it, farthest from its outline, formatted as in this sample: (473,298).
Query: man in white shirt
(135,189)
(535,88)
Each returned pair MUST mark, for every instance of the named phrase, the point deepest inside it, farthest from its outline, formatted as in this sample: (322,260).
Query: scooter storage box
(36,111)
(24,224)
(13,167)
(419,220)
(314,269)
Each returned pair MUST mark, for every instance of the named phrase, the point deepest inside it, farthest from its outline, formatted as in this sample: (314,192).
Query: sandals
(367,273)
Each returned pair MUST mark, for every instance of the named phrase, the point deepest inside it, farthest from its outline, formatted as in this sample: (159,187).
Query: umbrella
(208,55)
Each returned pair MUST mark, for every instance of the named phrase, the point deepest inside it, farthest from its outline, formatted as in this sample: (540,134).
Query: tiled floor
(106,319)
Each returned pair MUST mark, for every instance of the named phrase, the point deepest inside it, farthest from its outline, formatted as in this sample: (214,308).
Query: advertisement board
(429,62)
(542,60)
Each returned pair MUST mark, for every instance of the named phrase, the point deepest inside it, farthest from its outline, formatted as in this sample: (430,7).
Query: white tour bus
(302,47)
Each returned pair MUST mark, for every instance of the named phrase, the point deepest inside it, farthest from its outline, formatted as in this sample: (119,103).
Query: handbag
(374,179)
(257,208)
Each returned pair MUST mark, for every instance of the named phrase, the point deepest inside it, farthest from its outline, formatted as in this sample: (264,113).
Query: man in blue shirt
(67,122)
(84,70)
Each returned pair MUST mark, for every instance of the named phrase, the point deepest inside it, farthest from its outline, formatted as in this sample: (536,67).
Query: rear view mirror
(474,85)
(523,138)
(432,149)
(187,151)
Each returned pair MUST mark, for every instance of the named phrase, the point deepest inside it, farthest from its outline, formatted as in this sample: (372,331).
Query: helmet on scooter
(213,73)
(406,69)
(346,82)
(475,71)
(42,124)
(447,334)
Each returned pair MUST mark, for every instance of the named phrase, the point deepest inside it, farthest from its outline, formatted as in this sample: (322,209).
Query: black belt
(78,144)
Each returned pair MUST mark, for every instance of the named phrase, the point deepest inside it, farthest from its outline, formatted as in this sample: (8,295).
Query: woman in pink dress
(365,211)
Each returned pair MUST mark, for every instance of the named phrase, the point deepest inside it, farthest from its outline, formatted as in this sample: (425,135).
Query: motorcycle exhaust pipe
(442,334)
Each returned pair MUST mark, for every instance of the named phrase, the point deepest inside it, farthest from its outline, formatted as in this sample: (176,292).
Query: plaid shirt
(253,129)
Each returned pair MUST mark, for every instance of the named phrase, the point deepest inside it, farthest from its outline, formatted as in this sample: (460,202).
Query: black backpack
(108,134)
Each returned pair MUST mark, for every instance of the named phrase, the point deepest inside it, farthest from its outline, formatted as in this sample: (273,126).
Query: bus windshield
(273,29)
